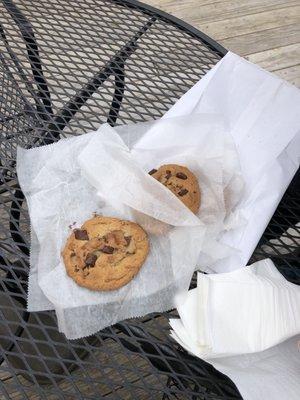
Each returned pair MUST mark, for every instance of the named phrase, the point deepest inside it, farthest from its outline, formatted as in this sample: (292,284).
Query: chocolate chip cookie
(105,253)
(182,182)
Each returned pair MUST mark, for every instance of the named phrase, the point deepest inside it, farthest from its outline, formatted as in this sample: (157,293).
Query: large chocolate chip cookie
(182,182)
(105,253)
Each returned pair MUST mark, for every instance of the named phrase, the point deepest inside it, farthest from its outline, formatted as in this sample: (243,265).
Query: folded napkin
(235,320)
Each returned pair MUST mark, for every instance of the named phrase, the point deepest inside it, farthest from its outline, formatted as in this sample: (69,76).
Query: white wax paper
(68,181)
(202,144)
(57,196)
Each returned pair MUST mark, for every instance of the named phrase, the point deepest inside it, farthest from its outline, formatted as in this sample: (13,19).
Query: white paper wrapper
(68,181)
(207,150)
(58,195)
(234,320)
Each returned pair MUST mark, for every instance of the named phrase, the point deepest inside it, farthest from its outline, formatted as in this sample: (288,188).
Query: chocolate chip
(168,175)
(91,260)
(107,249)
(181,175)
(128,239)
(81,234)
(168,171)
(183,192)
(72,254)
(152,171)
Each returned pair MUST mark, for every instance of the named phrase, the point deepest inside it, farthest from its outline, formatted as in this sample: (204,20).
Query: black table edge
(211,43)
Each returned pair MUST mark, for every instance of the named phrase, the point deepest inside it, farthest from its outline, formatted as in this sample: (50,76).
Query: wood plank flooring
(266,32)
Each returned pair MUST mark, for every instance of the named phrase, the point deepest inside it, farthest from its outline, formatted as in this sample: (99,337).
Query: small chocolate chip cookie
(182,182)
(105,253)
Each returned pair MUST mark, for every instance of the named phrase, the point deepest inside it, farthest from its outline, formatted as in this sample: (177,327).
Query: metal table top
(67,66)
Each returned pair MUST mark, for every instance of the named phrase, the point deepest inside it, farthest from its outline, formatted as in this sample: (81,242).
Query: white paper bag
(262,114)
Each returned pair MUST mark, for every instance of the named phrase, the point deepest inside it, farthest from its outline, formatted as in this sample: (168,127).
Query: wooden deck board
(198,11)
(252,23)
(266,31)
(264,40)
(277,59)
(291,74)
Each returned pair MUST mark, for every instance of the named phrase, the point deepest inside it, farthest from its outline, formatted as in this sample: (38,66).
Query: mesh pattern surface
(65,68)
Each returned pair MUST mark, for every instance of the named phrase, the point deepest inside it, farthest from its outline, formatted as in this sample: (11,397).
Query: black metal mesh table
(65,68)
